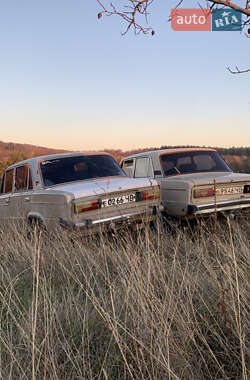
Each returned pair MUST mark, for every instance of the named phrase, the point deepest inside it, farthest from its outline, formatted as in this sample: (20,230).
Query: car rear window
(78,168)
(192,162)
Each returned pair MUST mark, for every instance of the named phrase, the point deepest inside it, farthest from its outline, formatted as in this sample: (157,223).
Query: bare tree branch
(137,7)
(140,7)
(237,70)
(132,9)
(245,11)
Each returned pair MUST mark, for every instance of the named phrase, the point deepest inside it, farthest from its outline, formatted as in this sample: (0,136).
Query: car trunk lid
(102,187)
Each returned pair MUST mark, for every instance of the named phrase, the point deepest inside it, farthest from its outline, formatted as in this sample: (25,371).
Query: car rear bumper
(225,206)
(111,222)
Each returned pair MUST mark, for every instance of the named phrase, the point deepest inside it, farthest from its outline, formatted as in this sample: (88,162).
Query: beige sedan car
(194,181)
(86,191)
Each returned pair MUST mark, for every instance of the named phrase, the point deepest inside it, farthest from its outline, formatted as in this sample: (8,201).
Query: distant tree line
(237,158)
(12,159)
(234,151)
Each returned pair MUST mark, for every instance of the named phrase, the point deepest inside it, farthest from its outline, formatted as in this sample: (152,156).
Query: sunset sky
(69,80)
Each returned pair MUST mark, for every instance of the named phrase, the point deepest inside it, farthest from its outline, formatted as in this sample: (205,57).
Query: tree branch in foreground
(245,11)
(135,8)
(237,70)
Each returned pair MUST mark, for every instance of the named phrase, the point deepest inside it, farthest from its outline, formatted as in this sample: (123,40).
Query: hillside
(6,149)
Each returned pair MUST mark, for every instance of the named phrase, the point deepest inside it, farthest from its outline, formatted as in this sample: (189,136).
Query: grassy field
(158,305)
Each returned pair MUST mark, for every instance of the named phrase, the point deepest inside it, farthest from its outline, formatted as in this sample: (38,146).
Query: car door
(23,187)
(6,204)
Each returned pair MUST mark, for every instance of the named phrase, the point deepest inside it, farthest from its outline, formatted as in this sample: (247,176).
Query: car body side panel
(175,196)
(48,207)
(6,206)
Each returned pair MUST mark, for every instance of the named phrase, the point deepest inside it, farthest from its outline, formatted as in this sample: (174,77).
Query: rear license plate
(116,201)
(230,190)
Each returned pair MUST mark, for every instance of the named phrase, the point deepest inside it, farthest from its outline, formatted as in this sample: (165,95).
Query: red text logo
(191,19)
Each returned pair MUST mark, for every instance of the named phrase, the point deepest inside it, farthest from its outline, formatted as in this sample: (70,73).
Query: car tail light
(147,195)
(203,193)
(246,189)
(86,206)
(152,193)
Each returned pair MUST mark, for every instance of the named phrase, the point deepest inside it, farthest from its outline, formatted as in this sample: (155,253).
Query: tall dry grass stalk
(155,305)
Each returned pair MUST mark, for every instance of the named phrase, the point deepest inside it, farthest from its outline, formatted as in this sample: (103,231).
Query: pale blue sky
(69,80)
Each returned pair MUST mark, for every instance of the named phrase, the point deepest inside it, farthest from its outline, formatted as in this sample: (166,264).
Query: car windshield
(78,168)
(192,162)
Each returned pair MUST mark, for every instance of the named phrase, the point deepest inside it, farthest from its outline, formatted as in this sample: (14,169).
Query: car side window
(21,178)
(128,167)
(127,163)
(141,167)
(8,181)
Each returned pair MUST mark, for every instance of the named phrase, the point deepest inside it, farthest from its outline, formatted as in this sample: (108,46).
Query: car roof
(160,152)
(55,156)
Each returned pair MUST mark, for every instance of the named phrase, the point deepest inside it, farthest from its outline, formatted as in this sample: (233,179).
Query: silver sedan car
(193,181)
(78,191)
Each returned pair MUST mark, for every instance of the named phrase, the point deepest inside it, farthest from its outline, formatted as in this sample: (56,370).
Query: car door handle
(26,199)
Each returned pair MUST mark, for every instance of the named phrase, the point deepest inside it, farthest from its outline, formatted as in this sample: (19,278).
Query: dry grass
(159,305)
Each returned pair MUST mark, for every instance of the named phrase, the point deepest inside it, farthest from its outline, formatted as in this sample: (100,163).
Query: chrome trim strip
(237,204)
(225,204)
(126,216)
